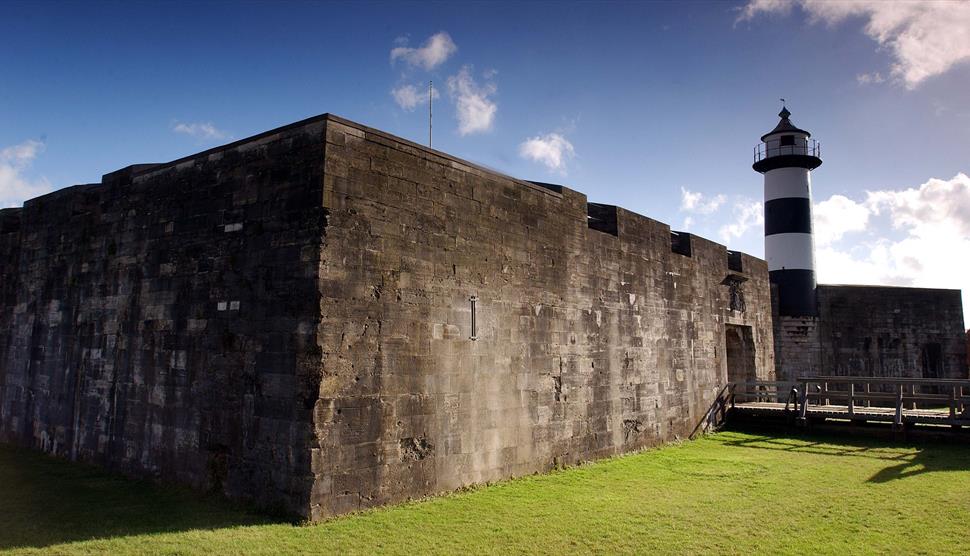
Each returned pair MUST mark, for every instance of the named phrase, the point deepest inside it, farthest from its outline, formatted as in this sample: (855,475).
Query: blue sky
(651,106)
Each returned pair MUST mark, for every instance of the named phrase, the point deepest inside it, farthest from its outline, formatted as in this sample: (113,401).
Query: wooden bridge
(902,402)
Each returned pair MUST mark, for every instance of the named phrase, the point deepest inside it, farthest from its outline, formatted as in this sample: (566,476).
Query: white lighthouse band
(786,157)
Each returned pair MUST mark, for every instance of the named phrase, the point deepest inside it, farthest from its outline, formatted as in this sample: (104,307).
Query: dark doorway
(739,343)
(932,359)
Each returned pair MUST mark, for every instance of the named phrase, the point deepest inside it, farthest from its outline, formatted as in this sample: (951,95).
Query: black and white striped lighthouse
(786,156)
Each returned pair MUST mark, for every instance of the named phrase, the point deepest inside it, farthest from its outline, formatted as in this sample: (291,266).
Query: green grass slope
(728,493)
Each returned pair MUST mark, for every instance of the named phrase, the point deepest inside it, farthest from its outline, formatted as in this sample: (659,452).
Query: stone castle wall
(891,332)
(164,325)
(797,348)
(875,331)
(588,343)
(287,319)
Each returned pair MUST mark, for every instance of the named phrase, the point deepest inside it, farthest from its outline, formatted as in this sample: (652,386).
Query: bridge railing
(853,393)
(761,391)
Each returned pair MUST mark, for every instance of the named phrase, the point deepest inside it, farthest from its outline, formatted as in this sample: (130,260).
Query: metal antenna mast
(430,97)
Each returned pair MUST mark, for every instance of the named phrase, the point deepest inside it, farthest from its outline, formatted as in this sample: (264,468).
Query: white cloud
(870,78)
(937,205)
(756,7)
(551,149)
(200,130)
(747,214)
(695,202)
(410,97)
(475,110)
(438,48)
(837,216)
(925,38)
(23,153)
(865,263)
(15,188)
(934,251)
(706,211)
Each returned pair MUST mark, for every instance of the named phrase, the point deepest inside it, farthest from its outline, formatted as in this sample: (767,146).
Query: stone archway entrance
(739,344)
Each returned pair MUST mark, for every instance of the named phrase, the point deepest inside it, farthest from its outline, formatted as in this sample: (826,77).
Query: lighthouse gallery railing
(810,148)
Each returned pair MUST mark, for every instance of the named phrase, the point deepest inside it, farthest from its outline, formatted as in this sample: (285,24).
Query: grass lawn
(726,493)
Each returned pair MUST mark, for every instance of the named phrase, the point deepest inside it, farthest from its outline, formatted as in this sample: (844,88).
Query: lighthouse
(786,156)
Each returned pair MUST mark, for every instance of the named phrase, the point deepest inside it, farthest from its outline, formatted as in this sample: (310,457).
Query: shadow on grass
(924,457)
(46,501)
(924,461)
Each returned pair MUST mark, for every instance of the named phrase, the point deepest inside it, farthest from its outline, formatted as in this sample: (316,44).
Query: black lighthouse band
(788,215)
(796,292)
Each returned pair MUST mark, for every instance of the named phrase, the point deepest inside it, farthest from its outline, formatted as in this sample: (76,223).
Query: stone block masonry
(593,336)
(875,331)
(288,319)
(140,332)
(892,332)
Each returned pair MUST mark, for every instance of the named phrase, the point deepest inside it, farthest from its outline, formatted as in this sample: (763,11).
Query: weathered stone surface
(141,332)
(891,332)
(593,336)
(876,331)
(797,346)
(288,319)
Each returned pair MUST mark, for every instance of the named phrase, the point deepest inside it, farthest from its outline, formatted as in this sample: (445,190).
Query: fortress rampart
(164,322)
(289,319)
(875,331)
(598,331)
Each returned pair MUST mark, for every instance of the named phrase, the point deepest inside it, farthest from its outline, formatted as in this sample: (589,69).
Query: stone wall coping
(59,193)
(884,287)
(140,172)
(144,170)
(383,134)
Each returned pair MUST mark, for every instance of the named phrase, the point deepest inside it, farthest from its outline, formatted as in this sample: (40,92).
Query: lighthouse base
(797,347)
(794,292)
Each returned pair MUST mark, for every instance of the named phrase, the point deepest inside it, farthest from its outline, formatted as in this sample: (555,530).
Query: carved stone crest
(734,283)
